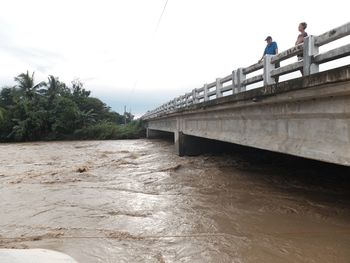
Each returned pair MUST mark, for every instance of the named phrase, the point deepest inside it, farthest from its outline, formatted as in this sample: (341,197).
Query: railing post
(234,86)
(188,95)
(234,82)
(218,88)
(177,103)
(268,67)
(240,78)
(194,96)
(206,98)
(310,50)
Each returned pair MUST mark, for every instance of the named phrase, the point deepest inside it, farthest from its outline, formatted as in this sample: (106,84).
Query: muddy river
(136,201)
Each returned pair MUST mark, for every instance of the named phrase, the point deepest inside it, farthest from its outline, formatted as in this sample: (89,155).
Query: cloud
(26,57)
(40,59)
(111,45)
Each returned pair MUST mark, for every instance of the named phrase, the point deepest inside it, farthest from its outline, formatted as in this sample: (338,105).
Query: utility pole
(125,114)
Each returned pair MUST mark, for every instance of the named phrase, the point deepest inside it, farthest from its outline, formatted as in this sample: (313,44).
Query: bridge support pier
(153,134)
(179,138)
(189,145)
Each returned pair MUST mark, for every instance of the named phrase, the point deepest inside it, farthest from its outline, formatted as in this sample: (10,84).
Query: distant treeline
(52,110)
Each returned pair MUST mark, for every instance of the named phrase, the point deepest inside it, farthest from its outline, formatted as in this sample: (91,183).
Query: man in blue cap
(271,49)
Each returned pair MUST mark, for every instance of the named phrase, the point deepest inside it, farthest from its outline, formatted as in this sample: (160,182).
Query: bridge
(307,116)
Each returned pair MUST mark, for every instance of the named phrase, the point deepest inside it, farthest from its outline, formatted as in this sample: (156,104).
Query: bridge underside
(307,117)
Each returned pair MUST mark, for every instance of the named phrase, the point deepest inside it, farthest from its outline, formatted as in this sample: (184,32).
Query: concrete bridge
(307,116)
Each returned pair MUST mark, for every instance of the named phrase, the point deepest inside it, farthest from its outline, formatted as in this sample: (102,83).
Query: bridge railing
(308,62)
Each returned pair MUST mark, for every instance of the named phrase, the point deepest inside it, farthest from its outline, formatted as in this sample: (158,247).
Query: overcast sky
(117,50)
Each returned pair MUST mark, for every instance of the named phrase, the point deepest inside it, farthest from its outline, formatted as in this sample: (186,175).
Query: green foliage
(25,83)
(52,110)
(64,115)
(111,131)
(2,112)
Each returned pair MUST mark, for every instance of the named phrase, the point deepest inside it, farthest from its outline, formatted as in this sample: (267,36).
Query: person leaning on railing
(302,26)
(271,49)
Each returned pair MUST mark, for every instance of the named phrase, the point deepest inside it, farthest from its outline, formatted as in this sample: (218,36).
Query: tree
(52,110)
(64,116)
(2,113)
(25,83)
(8,96)
(55,87)
(85,118)
(78,89)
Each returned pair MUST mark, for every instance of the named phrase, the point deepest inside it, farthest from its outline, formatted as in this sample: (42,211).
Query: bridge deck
(308,117)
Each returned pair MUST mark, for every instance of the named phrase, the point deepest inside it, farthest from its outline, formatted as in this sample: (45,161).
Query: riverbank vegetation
(52,110)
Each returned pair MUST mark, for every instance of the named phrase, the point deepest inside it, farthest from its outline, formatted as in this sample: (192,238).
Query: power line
(161,16)
(159,21)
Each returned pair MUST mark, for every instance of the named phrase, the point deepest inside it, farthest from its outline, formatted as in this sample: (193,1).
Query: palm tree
(85,118)
(27,86)
(54,86)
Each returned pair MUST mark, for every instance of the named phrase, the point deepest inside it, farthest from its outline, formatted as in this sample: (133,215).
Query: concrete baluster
(240,78)
(187,99)
(268,67)
(310,50)
(234,82)
(206,98)
(194,96)
(218,88)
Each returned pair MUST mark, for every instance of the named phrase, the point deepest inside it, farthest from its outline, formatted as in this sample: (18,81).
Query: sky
(126,55)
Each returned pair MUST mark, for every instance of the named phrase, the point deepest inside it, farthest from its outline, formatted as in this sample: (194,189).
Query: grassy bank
(111,131)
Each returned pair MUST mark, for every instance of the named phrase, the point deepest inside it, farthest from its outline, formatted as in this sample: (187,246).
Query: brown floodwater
(136,201)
